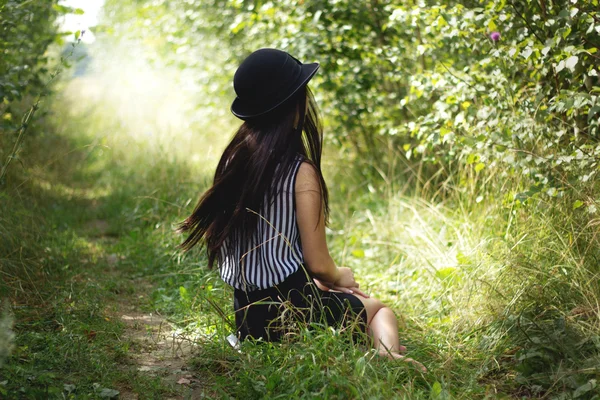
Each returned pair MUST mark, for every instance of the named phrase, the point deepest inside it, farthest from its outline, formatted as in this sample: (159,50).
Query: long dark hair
(260,155)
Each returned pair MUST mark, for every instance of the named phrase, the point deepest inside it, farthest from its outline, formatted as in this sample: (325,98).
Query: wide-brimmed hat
(266,79)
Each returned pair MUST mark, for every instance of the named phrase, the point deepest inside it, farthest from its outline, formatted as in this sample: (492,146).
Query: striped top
(275,251)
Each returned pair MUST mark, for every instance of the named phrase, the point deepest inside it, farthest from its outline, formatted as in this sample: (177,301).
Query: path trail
(158,348)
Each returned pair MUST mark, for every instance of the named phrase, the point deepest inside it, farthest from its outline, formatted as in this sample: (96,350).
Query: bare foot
(392,355)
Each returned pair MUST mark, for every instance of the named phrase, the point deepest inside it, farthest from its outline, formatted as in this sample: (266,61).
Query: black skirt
(270,313)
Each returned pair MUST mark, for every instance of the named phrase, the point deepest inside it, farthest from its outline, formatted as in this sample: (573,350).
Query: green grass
(497,298)
(57,276)
(61,299)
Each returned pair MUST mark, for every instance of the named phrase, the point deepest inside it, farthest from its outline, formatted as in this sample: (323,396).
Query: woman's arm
(311,224)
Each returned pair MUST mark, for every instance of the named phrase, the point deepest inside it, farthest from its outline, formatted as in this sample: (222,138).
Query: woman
(264,218)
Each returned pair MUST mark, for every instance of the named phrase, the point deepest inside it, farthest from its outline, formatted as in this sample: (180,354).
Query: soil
(158,348)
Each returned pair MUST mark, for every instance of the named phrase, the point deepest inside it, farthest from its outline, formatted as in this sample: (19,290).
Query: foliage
(27,29)
(428,75)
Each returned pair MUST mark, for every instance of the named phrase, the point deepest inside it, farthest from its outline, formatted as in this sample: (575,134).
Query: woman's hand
(345,278)
(351,289)
(322,285)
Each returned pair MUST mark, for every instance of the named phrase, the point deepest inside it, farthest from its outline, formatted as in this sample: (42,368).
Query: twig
(459,78)
(23,3)
(526,23)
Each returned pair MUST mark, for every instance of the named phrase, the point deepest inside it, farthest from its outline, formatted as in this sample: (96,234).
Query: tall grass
(505,289)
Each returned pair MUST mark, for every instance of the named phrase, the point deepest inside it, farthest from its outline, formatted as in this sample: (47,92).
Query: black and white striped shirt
(275,251)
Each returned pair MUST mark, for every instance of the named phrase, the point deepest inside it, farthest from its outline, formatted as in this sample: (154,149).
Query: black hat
(266,79)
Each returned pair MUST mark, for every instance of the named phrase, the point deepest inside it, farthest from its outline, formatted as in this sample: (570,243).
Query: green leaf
(593,111)
(183,293)
(526,52)
(441,22)
(545,50)
(61,9)
(479,167)
(585,388)
(69,387)
(445,273)
(522,197)
(317,16)
(577,204)
(571,63)
(360,366)
(472,159)
(359,253)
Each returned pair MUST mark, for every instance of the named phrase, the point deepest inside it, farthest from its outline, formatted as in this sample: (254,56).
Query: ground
(159,349)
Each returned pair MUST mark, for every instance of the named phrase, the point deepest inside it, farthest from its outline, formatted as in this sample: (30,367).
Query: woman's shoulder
(307,177)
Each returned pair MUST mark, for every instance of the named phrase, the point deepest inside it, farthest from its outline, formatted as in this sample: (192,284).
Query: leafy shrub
(27,29)
(429,76)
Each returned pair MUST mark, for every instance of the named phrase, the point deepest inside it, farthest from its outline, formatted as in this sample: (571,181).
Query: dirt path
(159,351)
(158,348)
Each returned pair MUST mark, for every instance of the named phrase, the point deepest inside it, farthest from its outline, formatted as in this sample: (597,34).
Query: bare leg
(383,328)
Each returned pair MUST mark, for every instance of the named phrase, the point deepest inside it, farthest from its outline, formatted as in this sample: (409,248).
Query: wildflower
(495,36)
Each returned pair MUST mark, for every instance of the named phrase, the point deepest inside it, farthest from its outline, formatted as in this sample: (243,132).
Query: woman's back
(274,251)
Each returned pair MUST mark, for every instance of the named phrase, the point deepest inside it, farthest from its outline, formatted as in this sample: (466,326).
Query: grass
(54,268)
(499,299)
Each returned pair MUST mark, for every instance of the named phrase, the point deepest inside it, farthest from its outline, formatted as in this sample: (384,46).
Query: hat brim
(244,110)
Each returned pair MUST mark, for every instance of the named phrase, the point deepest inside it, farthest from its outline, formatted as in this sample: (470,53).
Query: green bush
(27,29)
(428,75)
